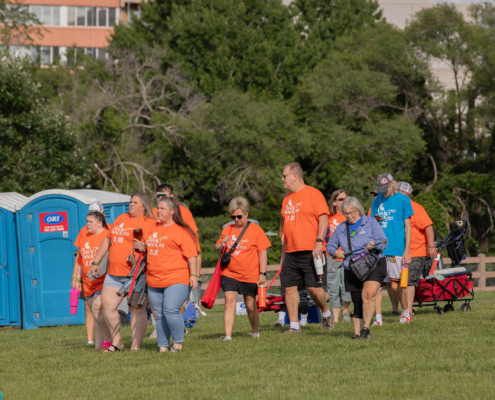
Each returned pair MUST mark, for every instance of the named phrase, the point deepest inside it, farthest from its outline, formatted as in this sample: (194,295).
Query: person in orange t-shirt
(423,249)
(88,245)
(305,213)
(120,244)
(171,271)
(247,267)
(335,275)
(95,206)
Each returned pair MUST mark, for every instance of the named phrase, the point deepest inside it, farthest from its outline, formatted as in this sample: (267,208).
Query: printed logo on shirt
(121,231)
(333,225)
(154,243)
(239,248)
(385,214)
(291,210)
(87,253)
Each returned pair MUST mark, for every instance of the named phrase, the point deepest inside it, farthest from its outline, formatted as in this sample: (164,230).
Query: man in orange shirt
(422,244)
(305,214)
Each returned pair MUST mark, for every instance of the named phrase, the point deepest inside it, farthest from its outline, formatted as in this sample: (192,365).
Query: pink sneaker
(376,323)
(106,345)
(404,319)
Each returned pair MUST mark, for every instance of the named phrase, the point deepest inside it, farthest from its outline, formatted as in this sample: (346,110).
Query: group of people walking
(398,230)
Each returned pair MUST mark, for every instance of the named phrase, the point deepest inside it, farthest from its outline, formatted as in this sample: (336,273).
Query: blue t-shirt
(353,227)
(394,210)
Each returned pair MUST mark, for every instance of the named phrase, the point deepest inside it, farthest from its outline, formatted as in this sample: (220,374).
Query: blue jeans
(335,284)
(166,303)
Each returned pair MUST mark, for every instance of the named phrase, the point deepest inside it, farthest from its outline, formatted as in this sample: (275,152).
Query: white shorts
(393,269)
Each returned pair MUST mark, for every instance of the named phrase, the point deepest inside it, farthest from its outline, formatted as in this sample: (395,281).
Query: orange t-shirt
(168,249)
(121,239)
(188,218)
(419,222)
(300,211)
(369,212)
(88,245)
(245,261)
(335,220)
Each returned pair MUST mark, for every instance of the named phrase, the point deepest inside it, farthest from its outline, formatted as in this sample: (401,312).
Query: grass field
(434,357)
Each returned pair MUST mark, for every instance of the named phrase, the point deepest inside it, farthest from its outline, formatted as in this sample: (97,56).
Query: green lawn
(435,357)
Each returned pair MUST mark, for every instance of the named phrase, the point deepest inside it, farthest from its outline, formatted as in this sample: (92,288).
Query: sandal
(175,350)
(115,348)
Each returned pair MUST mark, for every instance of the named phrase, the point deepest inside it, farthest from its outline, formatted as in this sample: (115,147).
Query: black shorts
(416,269)
(233,285)
(353,284)
(299,270)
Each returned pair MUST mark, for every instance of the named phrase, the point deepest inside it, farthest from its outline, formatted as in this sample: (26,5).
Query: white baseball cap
(96,206)
(405,187)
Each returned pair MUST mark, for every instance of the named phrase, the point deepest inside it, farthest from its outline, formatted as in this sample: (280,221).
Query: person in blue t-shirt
(393,211)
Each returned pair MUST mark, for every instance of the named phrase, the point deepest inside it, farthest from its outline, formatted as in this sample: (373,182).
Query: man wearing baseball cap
(422,244)
(393,211)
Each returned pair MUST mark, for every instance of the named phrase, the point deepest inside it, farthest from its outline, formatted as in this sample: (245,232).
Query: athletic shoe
(376,323)
(303,323)
(225,338)
(365,333)
(356,337)
(346,317)
(90,343)
(279,323)
(256,335)
(328,322)
(292,330)
(395,313)
(153,335)
(404,319)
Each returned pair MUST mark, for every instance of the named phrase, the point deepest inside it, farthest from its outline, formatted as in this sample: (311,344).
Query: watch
(319,240)
(263,273)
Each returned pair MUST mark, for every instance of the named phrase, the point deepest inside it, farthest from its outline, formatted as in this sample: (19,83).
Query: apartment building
(72,27)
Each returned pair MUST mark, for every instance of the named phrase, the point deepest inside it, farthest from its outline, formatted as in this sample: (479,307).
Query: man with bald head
(305,223)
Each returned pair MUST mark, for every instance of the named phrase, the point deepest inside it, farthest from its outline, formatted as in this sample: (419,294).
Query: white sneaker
(303,323)
(376,323)
(225,338)
(153,335)
(90,343)
(254,334)
(404,319)
(279,323)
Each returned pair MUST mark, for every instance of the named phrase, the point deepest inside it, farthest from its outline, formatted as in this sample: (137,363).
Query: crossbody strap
(239,238)
(348,236)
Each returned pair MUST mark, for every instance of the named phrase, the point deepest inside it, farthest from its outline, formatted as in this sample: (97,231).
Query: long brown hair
(99,217)
(146,202)
(173,204)
(335,194)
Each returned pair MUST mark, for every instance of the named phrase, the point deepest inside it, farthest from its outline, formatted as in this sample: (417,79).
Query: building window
(91,16)
(71,16)
(56,15)
(102,17)
(111,16)
(81,16)
(47,15)
(36,10)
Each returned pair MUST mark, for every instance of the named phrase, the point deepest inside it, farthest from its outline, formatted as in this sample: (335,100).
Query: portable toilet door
(10,288)
(48,224)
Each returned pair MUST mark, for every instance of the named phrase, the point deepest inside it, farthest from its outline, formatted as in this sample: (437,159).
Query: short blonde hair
(352,202)
(239,203)
(295,168)
(392,189)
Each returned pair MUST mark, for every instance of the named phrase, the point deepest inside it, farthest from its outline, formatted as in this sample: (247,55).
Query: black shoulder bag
(225,260)
(362,264)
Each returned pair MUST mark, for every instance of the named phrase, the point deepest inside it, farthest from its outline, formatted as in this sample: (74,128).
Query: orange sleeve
(224,233)
(321,205)
(369,212)
(423,220)
(79,259)
(188,246)
(77,243)
(262,241)
(188,218)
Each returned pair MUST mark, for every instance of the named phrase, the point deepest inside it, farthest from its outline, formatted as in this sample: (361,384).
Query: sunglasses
(236,216)
(285,176)
(341,199)
(159,195)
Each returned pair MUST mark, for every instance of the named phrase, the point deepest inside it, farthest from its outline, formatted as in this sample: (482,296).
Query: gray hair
(352,202)
(239,203)
(295,168)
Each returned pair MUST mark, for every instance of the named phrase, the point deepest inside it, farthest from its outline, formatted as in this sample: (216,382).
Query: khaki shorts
(393,269)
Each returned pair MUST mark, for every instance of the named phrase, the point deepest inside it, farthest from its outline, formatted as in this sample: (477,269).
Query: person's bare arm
(263,262)
(430,239)
(104,246)
(219,247)
(78,275)
(322,231)
(74,271)
(407,252)
(193,280)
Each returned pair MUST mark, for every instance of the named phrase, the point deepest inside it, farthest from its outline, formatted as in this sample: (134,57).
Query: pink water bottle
(74,300)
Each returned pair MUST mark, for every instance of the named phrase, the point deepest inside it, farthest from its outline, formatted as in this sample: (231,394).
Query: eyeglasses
(236,216)
(350,213)
(340,199)
(159,195)
(285,176)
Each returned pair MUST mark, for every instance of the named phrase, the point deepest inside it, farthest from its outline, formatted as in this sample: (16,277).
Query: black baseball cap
(383,182)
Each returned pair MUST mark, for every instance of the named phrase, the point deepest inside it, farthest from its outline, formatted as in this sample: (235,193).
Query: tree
(17,24)
(38,148)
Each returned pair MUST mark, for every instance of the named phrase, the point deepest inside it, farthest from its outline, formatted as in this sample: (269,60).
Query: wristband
(97,264)
(432,247)
(197,276)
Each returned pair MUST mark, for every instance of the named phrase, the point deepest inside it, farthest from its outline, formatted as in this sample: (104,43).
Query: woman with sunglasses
(247,267)
(335,275)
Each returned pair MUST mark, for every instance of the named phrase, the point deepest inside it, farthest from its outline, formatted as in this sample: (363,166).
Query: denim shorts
(97,293)
(114,281)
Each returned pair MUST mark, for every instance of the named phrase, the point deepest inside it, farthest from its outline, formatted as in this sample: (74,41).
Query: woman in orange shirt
(247,267)
(120,244)
(171,271)
(88,245)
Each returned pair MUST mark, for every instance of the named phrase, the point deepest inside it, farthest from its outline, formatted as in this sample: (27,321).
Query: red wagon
(455,287)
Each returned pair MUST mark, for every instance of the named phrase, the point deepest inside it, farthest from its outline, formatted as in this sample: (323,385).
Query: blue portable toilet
(48,223)
(10,288)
